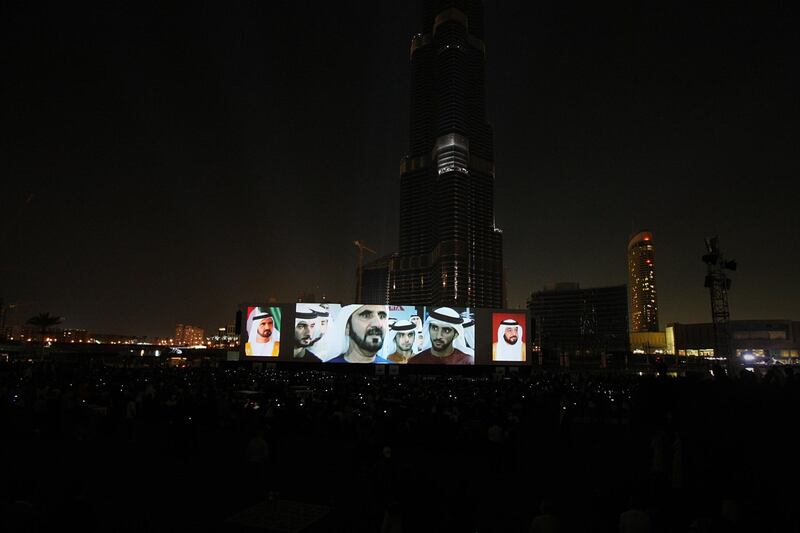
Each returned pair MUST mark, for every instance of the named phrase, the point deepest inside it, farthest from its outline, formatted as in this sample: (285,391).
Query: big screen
(332,333)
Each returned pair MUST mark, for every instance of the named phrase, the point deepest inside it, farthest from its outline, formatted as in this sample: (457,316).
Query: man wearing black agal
(444,343)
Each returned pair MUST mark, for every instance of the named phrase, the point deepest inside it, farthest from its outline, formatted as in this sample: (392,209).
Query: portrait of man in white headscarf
(417,321)
(444,342)
(510,341)
(323,319)
(469,329)
(263,337)
(357,334)
(305,333)
(399,344)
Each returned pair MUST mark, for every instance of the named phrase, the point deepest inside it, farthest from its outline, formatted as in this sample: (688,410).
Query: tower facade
(574,321)
(642,283)
(450,250)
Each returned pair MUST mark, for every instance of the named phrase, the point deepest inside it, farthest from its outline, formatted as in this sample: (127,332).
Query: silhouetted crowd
(98,448)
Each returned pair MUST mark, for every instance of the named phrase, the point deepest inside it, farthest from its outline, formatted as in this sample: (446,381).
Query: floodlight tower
(718,285)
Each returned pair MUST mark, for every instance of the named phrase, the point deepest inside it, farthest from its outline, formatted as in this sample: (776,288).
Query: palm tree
(44,321)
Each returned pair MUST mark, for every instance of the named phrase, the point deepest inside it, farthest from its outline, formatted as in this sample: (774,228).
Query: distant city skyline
(163,164)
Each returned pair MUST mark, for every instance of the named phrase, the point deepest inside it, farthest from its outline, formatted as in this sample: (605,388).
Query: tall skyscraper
(642,283)
(451,252)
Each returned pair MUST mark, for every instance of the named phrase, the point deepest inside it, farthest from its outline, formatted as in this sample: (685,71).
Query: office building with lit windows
(642,295)
(450,253)
(186,335)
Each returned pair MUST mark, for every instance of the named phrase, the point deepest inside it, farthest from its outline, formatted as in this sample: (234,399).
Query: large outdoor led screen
(384,334)
(381,334)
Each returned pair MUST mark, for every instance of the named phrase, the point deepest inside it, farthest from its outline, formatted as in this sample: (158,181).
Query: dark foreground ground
(92,448)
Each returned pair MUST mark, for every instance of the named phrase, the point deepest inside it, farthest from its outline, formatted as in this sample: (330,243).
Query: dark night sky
(161,164)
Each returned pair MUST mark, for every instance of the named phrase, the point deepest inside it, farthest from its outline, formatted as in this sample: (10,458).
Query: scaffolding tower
(718,285)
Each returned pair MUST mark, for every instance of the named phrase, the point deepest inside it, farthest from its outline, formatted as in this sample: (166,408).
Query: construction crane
(359,273)
(718,285)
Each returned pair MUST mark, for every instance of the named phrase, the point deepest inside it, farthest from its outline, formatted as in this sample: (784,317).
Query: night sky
(161,164)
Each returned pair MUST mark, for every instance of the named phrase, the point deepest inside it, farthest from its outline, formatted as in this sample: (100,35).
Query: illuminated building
(73,335)
(649,342)
(451,253)
(776,339)
(186,335)
(568,320)
(642,283)
(225,337)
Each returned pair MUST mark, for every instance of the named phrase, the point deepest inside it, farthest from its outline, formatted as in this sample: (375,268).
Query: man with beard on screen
(263,338)
(445,344)
(357,334)
(305,323)
(509,345)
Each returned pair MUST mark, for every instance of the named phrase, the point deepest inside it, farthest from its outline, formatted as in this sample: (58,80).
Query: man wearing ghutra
(417,321)
(263,339)
(444,342)
(305,324)
(323,316)
(399,344)
(357,334)
(509,345)
(469,331)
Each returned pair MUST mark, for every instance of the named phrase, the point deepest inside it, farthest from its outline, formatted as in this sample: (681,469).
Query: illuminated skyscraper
(642,283)
(451,253)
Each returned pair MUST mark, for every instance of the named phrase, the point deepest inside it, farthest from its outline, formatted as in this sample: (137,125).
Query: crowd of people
(150,449)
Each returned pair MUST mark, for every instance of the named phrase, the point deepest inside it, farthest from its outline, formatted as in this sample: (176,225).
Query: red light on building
(642,283)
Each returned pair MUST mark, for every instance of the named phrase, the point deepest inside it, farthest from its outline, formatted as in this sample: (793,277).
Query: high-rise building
(186,335)
(375,280)
(451,252)
(573,321)
(642,283)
